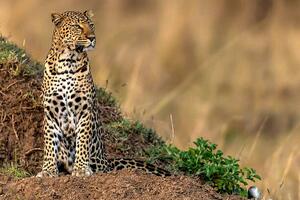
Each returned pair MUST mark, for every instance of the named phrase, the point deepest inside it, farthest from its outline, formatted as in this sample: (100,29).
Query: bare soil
(21,142)
(111,186)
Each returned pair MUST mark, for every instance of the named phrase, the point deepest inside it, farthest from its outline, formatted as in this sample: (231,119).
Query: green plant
(204,160)
(106,98)
(14,171)
(17,60)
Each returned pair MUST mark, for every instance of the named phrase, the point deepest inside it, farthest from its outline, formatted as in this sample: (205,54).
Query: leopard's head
(74,30)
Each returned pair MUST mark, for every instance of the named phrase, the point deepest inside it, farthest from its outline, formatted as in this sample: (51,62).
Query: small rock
(253,193)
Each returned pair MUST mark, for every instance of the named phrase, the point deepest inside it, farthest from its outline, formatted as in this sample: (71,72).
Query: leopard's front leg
(83,140)
(51,145)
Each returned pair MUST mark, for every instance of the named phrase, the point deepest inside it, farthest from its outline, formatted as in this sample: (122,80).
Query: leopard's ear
(56,18)
(88,13)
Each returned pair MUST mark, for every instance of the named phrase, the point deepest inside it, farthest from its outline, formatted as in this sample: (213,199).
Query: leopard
(73,131)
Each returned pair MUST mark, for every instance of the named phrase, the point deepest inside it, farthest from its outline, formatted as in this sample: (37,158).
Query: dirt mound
(21,118)
(111,186)
(21,143)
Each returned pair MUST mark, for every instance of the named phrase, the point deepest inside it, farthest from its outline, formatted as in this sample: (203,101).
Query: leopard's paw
(46,174)
(82,172)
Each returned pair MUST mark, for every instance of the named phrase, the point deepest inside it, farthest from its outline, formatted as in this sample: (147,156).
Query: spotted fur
(72,124)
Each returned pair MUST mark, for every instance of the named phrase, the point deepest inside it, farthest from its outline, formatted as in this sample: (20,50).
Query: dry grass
(228,71)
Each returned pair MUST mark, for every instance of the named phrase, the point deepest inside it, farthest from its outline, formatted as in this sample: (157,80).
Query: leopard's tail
(127,163)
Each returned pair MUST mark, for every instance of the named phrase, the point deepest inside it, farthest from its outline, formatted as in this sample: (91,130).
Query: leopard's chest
(66,97)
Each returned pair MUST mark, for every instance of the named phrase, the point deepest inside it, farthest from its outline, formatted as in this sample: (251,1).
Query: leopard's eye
(92,26)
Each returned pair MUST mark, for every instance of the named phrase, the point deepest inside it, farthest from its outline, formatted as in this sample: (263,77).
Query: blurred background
(228,71)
